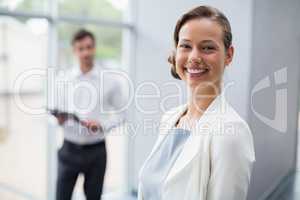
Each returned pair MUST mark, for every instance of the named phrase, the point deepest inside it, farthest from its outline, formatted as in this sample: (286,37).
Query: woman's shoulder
(234,134)
(238,123)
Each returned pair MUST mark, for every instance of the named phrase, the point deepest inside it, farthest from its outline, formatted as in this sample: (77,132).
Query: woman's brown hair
(198,13)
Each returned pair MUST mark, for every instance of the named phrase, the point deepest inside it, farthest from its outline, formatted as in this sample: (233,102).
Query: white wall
(276,45)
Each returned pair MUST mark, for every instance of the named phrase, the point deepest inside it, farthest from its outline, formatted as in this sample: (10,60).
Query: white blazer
(216,160)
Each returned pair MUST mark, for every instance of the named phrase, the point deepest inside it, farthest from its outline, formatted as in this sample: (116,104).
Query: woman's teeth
(196,71)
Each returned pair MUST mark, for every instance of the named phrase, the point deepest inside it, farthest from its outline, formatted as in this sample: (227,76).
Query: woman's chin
(201,84)
(195,84)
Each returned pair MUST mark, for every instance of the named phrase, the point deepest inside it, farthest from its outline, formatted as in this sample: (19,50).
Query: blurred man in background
(82,98)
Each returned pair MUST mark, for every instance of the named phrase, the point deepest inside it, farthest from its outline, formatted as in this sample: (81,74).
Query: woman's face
(200,53)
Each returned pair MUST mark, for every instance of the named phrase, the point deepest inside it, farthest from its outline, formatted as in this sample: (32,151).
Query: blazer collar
(217,106)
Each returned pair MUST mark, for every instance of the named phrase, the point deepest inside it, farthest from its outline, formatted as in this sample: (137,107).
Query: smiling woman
(214,26)
(205,149)
(201,54)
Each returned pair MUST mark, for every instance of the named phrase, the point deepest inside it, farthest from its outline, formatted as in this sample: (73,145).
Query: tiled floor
(289,190)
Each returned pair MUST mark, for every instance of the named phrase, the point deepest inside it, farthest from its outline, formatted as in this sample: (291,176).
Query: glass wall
(36,34)
(23,46)
(99,9)
(40,6)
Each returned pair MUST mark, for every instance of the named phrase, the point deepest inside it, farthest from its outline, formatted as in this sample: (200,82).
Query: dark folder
(64,114)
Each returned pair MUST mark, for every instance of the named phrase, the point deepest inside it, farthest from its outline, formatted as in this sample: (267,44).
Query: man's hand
(92,125)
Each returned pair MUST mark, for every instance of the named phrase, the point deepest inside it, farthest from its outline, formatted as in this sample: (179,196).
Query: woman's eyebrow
(208,41)
(203,41)
(184,40)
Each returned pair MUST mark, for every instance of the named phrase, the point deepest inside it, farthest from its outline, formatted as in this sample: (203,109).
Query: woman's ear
(171,58)
(229,55)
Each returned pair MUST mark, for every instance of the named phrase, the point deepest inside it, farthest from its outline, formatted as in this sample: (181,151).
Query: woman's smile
(195,70)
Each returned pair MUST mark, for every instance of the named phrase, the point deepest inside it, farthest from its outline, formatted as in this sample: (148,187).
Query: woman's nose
(195,56)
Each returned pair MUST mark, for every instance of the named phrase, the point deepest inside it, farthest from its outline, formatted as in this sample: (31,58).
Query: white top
(157,168)
(216,160)
(96,95)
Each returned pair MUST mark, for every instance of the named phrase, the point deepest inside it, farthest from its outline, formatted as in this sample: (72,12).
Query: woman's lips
(196,72)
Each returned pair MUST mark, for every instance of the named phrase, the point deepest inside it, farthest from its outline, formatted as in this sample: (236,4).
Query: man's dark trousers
(87,159)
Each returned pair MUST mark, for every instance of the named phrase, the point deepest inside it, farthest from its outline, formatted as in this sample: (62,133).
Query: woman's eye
(208,48)
(184,46)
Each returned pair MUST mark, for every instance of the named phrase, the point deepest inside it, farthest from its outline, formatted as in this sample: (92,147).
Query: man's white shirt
(98,94)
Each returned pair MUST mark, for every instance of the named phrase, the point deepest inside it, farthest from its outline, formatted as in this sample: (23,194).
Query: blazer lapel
(199,140)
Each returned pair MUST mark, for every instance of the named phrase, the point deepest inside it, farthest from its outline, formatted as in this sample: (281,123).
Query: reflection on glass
(24,5)
(104,9)
(22,151)
(23,136)
(23,48)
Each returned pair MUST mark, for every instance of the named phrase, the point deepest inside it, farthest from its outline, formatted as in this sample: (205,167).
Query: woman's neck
(200,99)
